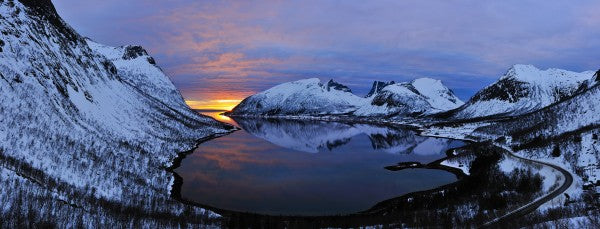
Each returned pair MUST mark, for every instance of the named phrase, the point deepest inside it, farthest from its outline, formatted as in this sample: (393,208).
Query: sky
(219,52)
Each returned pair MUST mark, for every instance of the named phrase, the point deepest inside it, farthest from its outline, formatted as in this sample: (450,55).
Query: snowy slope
(523,89)
(377,87)
(310,97)
(436,94)
(571,126)
(302,97)
(421,96)
(140,69)
(85,126)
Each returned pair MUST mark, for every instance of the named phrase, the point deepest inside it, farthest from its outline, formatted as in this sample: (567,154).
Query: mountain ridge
(87,130)
(523,89)
(311,97)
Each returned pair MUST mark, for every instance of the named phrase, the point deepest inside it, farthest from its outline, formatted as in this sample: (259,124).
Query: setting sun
(219,104)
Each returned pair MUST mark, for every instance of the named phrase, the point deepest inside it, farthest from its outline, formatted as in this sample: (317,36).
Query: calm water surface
(308,167)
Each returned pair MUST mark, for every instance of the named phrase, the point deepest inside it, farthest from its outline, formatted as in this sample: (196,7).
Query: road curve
(528,208)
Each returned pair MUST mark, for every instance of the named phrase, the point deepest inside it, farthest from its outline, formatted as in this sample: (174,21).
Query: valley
(96,136)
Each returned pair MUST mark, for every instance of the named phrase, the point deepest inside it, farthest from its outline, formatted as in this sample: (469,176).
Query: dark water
(309,167)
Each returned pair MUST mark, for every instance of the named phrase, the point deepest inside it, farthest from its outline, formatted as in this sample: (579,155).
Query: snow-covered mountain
(310,97)
(523,89)
(377,87)
(87,130)
(141,70)
(566,133)
(421,96)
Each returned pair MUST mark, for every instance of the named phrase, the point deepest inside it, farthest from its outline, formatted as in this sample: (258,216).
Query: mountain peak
(524,67)
(525,88)
(337,86)
(311,97)
(427,82)
(135,51)
(530,74)
(377,87)
(44,9)
(522,72)
(43,6)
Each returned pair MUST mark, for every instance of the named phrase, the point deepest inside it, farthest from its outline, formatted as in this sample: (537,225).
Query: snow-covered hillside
(87,125)
(421,96)
(310,97)
(140,69)
(566,133)
(377,87)
(523,89)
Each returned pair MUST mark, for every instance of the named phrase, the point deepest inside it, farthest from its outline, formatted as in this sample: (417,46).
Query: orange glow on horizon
(218,104)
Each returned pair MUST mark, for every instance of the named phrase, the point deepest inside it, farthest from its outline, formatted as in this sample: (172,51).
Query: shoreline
(232,214)
(373,215)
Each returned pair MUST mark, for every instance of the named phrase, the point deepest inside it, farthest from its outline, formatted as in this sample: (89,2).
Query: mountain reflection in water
(309,167)
(318,136)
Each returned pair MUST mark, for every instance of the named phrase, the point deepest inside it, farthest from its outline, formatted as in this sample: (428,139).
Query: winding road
(535,204)
(528,208)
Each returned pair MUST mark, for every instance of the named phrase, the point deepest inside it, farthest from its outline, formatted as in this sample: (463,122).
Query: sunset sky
(218,52)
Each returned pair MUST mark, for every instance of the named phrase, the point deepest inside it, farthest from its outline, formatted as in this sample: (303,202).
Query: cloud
(227,65)
(235,48)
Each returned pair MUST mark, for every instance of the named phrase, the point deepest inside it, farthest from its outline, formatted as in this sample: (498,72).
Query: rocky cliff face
(377,87)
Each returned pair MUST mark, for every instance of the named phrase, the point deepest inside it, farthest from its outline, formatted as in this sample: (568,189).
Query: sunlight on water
(218,115)
(218,104)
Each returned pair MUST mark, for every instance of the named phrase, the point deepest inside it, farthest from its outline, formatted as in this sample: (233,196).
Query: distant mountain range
(523,89)
(310,97)
(534,111)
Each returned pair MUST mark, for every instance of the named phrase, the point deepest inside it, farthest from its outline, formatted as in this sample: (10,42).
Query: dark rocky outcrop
(337,86)
(506,89)
(132,52)
(377,87)
(44,10)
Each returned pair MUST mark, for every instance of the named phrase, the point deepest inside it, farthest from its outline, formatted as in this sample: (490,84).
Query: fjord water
(285,167)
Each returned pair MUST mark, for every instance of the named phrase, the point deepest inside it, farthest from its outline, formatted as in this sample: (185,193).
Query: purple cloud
(227,49)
